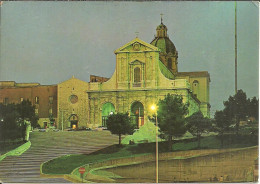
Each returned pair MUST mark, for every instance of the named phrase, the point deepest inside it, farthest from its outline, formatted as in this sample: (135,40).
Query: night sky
(48,42)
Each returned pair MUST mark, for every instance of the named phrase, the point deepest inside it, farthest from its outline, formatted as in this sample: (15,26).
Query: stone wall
(234,165)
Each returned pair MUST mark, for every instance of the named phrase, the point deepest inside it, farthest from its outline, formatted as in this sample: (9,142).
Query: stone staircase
(49,145)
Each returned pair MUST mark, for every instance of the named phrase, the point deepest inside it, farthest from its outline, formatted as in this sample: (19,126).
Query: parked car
(82,128)
(100,128)
(68,129)
(42,130)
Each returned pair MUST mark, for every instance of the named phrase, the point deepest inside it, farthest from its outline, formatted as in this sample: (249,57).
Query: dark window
(169,64)
(137,77)
(195,83)
(195,88)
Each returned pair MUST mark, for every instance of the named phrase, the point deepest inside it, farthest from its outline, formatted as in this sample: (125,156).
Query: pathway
(46,146)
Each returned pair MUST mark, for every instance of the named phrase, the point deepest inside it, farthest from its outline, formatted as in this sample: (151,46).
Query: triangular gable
(137,62)
(73,79)
(137,40)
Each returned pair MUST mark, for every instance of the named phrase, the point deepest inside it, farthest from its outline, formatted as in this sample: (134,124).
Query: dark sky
(48,42)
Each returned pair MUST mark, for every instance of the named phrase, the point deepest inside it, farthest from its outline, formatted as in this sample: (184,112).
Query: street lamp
(154,109)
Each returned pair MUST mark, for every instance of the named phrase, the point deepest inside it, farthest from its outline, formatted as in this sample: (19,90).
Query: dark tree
(27,111)
(253,108)
(171,117)
(221,124)
(12,118)
(236,108)
(9,122)
(120,124)
(197,124)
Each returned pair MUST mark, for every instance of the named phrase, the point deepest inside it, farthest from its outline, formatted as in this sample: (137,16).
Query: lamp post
(154,109)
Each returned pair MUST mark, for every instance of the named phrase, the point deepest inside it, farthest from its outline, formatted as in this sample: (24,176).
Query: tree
(221,124)
(27,111)
(236,108)
(120,124)
(197,124)
(9,125)
(253,107)
(12,118)
(171,117)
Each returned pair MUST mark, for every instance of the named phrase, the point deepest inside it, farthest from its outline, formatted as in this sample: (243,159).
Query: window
(195,83)
(6,101)
(36,100)
(73,99)
(36,111)
(21,99)
(50,99)
(50,111)
(169,64)
(195,88)
(137,76)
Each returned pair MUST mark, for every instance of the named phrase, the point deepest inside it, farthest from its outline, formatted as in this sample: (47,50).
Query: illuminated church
(144,73)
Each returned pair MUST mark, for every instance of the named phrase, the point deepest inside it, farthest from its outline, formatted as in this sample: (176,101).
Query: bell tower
(168,54)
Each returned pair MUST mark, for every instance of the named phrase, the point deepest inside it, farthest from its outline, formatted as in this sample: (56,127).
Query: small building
(43,97)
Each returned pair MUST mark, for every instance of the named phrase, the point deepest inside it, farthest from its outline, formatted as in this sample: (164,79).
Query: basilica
(144,73)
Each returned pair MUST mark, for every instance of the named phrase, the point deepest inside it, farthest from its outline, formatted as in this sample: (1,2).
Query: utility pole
(235,47)
(62,120)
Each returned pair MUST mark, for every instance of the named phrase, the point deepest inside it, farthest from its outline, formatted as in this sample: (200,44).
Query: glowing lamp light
(153,107)
(111,113)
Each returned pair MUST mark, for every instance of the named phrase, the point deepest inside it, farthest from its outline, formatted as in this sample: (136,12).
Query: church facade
(144,73)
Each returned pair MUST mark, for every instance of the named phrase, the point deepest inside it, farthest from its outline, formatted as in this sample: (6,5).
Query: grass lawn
(66,164)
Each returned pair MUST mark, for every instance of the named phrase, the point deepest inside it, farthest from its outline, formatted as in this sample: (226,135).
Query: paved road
(46,146)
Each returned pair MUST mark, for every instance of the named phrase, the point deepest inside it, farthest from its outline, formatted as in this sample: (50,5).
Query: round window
(73,99)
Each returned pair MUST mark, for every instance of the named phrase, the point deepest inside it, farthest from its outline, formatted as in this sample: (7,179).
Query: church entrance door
(73,121)
(107,109)
(137,113)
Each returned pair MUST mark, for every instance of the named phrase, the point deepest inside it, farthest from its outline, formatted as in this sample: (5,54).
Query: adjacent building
(43,97)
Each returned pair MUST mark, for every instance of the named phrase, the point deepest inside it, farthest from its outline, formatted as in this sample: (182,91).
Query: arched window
(169,64)
(137,75)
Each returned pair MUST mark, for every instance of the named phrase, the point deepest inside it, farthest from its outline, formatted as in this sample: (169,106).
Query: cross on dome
(161,18)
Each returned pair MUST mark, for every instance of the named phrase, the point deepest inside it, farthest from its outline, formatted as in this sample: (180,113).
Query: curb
(17,151)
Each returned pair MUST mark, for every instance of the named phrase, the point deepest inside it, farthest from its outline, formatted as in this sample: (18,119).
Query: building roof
(194,74)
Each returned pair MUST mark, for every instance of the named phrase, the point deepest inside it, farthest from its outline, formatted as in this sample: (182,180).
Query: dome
(162,40)
(164,44)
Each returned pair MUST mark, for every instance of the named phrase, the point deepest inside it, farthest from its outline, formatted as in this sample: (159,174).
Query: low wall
(17,151)
(234,165)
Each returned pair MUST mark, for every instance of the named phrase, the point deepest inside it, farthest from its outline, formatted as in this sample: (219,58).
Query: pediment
(73,80)
(137,62)
(136,45)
